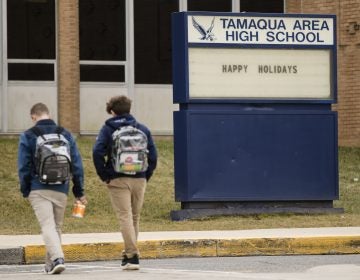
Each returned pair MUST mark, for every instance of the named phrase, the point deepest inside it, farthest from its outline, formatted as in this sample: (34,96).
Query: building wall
(348,25)
(348,30)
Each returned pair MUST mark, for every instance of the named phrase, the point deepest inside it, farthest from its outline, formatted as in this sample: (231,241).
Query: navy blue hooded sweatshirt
(26,166)
(103,144)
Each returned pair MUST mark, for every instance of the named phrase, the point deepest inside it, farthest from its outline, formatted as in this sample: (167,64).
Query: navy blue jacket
(26,166)
(103,144)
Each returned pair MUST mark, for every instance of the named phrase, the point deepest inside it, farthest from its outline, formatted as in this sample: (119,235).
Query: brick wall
(348,25)
(68,65)
(293,6)
(348,105)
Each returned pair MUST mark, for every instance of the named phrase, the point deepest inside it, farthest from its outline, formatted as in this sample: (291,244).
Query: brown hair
(119,105)
(39,109)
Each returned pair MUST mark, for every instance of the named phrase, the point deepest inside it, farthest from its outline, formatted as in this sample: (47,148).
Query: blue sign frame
(252,149)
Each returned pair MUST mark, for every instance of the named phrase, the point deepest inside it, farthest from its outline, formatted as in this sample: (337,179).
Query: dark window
(31,29)
(152,24)
(31,35)
(102,38)
(261,6)
(30,72)
(210,5)
(102,30)
(102,73)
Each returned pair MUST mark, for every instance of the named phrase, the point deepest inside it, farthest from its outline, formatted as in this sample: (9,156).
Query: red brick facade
(348,25)
(348,30)
(68,65)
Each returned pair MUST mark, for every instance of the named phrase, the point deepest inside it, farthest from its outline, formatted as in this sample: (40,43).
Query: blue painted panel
(237,156)
(180,154)
(180,57)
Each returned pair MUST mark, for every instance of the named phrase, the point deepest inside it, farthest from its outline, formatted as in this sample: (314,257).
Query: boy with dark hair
(48,199)
(119,105)
(126,189)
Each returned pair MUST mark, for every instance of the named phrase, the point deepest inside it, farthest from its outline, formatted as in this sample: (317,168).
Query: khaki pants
(49,207)
(127,197)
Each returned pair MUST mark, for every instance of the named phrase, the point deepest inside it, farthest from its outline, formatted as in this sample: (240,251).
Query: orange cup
(78,210)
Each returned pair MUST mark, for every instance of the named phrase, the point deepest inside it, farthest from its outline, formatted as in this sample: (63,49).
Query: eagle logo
(205,34)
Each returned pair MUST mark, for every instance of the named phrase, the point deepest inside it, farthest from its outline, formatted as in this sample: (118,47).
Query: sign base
(198,210)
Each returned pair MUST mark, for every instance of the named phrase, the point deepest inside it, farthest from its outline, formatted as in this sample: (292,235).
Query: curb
(201,248)
(13,255)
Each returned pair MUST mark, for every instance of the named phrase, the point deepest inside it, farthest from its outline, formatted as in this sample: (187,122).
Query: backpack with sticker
(129,150)
(52,156)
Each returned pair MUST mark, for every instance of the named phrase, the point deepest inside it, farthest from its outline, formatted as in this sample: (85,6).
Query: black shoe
(130,263)
(56,267)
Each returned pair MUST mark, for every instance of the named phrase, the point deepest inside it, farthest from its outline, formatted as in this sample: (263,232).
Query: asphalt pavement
(29,249)
(319,267)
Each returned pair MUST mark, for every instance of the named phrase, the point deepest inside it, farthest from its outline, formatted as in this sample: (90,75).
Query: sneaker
(130,263)
(56,267)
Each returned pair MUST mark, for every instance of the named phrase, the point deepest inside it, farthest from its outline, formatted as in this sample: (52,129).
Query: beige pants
(49,207)
(127,197)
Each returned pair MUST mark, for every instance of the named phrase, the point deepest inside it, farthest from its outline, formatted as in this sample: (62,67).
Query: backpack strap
(135,124)
(38,132)
(59,130)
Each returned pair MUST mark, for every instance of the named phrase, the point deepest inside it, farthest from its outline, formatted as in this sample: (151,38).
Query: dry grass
(17,216)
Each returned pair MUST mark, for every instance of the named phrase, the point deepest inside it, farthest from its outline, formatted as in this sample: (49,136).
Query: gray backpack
(129,150)
(52,157)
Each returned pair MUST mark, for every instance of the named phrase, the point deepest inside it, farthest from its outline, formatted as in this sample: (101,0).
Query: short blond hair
(39,109)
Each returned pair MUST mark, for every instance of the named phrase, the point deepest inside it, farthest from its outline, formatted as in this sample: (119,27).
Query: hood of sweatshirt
(122,120)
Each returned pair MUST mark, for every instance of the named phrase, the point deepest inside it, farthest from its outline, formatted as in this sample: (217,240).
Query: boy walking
(125,173)
(46,185)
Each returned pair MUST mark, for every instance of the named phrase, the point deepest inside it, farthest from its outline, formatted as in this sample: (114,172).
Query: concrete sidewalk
(28,249)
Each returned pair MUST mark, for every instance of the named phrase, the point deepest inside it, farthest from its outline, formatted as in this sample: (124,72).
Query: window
(102,73)
(210,5)
(31,39)
(102,40)
(260,6)
(31,72)
(152,33)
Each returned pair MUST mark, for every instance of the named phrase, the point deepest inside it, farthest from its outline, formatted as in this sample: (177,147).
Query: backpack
(52,156)
(129,150)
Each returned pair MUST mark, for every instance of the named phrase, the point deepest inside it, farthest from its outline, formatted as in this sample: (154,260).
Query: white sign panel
(259,73)
(261,30)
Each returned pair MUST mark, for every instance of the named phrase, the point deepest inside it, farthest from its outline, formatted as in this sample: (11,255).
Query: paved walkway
(16,249)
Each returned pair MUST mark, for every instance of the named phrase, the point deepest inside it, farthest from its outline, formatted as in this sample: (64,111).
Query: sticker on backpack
(129,150)
(52,157)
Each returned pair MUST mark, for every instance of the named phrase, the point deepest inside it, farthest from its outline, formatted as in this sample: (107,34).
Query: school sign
(257,89)
(266,57)
(261,30)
